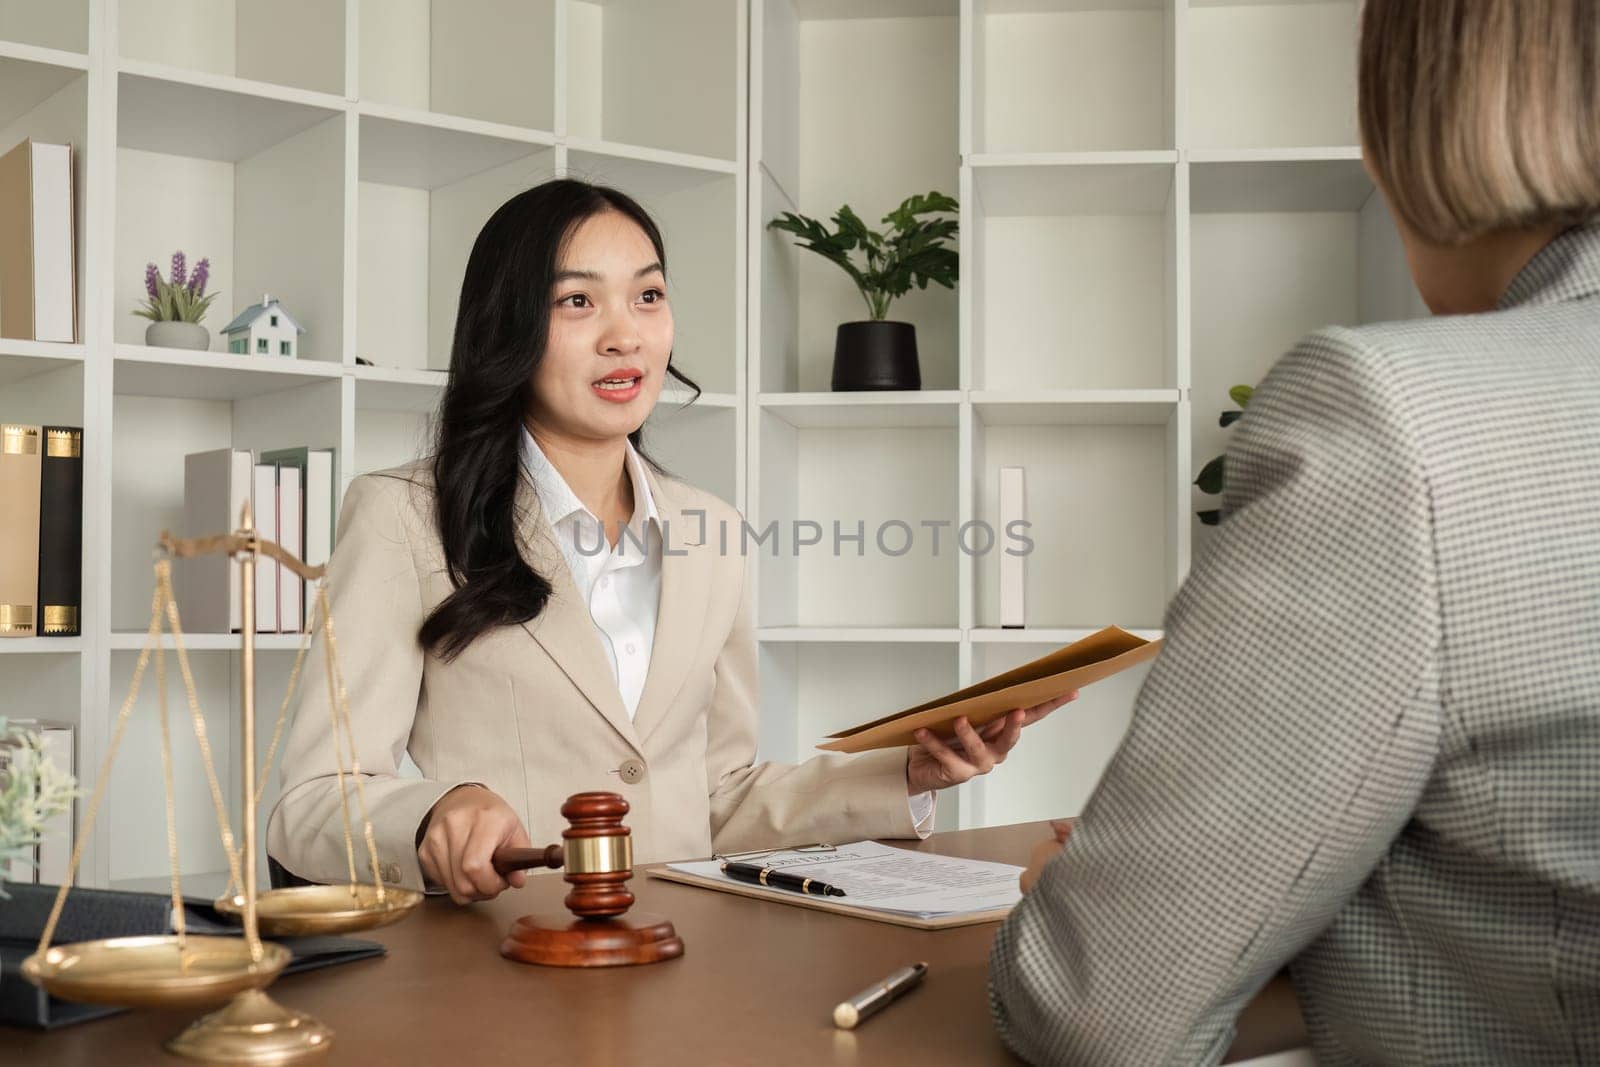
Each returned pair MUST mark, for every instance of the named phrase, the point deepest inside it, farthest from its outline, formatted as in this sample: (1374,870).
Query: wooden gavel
(597,855)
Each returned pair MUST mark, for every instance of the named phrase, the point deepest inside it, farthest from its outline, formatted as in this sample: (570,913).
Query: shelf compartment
(253,183)
(886,409)
(30,76)
(1052,773)
(298,43)
(902,475)
(40,646)
(1076,407)
(396,389)
(61,26)
(857,635)
(134,641)
(1267,74)
(425,192)
(810,690)
(44,96)
(698,445)
(136,822)
(172,372)
(696,208)
(1279,249)
(485,59)
(815,135)
(21,360)
(1106,66)
(620,53)
(1074,275)
(151,435)
(1099,502)
(1048,637)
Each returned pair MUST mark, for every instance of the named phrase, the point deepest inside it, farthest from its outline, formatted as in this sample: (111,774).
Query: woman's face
(610,333)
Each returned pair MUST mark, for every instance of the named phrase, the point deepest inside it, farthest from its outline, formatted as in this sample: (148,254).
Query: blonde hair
(1479,115)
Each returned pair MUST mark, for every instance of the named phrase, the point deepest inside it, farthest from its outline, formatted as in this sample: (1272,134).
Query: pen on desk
(780,879)
(875,997)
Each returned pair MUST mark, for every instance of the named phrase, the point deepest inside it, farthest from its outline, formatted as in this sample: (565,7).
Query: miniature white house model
(264,329)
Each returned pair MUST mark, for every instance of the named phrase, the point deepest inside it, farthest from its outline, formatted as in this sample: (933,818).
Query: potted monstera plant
(915,248)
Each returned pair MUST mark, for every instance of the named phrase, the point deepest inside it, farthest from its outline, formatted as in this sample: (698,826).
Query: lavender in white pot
(175,306)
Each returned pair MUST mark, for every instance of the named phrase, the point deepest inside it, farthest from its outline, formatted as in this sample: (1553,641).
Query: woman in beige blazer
(536,610)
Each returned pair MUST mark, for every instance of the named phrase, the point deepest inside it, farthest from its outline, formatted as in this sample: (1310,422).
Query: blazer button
(632,772)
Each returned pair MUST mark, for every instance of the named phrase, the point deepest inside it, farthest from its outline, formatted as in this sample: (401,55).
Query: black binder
(91,914)
(61,533)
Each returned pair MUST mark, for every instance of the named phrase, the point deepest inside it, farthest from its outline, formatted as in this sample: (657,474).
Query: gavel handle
(507,860)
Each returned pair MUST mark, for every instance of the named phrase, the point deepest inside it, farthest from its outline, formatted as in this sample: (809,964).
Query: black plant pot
(875,355)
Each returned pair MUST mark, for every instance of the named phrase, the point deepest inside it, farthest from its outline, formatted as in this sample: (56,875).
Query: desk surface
(757,983)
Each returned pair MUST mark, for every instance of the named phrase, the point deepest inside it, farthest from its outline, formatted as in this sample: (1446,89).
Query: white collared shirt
(622,585)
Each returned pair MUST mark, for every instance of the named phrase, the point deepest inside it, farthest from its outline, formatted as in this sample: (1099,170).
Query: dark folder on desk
(91,914)
(1096,657)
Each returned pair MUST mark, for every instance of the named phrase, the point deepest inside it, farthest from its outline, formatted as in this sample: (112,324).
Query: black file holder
(91,914)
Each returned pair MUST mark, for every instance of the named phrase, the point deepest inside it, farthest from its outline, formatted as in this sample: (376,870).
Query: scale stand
(182,970)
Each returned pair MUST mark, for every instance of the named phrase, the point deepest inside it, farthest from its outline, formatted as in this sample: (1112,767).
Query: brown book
(20,459)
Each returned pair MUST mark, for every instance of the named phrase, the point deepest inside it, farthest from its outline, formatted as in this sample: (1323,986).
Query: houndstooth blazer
(1370,749)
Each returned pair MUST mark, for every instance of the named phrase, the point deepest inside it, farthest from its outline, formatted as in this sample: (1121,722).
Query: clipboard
(1094,658)
(800,900)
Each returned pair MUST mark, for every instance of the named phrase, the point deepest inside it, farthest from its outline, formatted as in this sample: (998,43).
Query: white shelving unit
(342,156)
(1157,198)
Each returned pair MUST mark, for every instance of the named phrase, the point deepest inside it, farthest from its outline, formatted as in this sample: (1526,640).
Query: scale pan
(146,972)
(323,909)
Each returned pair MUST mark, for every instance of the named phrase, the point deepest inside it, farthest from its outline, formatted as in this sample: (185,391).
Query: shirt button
(605,583)
(631,649)
(631,771)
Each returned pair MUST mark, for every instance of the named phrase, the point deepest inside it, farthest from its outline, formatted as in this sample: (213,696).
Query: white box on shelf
(1013,564)
(267,568)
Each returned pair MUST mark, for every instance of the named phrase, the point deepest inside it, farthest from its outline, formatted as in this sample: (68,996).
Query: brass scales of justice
(193,970)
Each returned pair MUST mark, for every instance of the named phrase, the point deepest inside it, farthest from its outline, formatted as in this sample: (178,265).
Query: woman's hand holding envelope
(937,764)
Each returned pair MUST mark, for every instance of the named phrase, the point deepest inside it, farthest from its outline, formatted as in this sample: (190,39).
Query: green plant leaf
(1241,394)
(1211,476)
(914,252)
(1209,518)
(1229,418)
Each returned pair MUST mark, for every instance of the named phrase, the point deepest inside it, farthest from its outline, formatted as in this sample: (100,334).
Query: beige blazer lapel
(686,570)
(565,629)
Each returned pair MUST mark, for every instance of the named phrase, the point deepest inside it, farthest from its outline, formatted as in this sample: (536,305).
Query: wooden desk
(757,983)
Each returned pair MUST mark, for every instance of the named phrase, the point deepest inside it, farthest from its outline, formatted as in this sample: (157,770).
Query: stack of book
(41,530)
(291,493)
(47,860)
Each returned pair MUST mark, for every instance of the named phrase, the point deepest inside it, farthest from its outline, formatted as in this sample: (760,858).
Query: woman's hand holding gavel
(465,829)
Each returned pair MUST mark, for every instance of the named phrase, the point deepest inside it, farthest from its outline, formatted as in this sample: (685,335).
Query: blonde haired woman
(1370,750)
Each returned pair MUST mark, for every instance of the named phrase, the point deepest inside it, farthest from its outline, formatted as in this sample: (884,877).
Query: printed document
(885,878)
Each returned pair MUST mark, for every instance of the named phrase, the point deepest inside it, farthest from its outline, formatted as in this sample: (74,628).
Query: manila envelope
(1100,655)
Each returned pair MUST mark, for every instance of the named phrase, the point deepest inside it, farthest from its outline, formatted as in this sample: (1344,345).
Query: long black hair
(502,328)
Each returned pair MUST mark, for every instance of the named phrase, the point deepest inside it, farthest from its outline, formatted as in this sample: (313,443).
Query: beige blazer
(533,711)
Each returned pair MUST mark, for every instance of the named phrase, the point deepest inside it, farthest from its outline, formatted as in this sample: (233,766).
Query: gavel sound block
(598,857)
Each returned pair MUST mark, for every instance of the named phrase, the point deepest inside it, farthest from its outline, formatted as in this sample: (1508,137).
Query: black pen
(780,879)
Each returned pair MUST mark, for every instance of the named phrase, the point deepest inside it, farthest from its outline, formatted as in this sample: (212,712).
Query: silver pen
(875,997)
